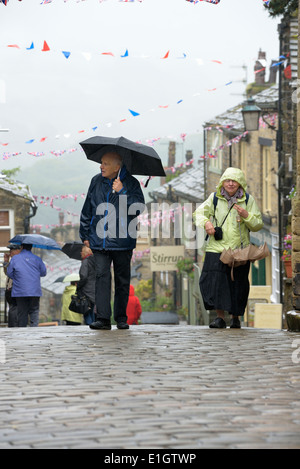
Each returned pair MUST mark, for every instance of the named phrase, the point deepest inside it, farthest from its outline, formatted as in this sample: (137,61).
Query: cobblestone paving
(149,387)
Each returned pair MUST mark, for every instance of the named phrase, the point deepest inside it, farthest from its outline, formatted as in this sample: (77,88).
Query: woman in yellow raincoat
(71,318)
(238,214)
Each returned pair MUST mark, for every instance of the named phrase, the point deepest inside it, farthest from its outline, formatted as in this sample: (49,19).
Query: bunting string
(262,124)
(214,2)
(132,115)
(88,55)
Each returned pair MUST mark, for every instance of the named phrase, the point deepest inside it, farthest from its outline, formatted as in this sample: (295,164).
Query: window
(214,141)
(266,179)
(6,226)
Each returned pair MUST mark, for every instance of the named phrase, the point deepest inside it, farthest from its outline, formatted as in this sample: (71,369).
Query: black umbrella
(73,250)
(139,159)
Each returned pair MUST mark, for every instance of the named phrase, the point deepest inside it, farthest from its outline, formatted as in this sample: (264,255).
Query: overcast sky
(48,95)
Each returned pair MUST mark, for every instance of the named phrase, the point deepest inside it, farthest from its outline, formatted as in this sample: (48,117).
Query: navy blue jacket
(108,219)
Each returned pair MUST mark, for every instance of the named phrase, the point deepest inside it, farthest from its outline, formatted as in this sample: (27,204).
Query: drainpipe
(26,219)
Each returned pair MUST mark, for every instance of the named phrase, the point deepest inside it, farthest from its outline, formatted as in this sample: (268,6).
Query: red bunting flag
(288,72)
(46,47)
(167,55)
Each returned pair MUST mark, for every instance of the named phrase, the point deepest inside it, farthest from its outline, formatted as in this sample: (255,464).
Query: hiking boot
(235,323)
(100,325)
(218,323)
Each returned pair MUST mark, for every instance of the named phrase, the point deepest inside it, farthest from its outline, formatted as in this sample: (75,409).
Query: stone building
(296,211)
(17,208)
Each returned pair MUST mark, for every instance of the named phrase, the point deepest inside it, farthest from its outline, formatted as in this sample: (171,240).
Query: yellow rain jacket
(231,232)
(66,313)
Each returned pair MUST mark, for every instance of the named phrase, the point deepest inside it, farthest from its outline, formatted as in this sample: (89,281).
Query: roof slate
(189,185)
(18,188)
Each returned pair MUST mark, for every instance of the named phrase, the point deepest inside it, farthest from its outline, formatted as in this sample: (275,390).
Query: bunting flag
(215,2)
(134,113)
(66,54)
(45,47)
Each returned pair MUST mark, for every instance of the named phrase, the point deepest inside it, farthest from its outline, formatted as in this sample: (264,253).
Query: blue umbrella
(37,241)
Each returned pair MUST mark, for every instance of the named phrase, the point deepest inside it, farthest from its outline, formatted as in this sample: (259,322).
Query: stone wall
(296,210)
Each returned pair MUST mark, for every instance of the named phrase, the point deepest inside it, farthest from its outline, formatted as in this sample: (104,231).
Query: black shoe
(235,323)
(100,325)
(218,323)
(122,325)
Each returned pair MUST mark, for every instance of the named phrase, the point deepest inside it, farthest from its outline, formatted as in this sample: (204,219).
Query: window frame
(11,225)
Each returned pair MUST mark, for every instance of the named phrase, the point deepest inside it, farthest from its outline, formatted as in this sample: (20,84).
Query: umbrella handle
(113,191)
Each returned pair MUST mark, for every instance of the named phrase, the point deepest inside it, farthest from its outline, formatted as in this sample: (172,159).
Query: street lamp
(251,114)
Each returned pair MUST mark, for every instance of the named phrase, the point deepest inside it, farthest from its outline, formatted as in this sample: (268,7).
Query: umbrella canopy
(237,257)
(139,159)
(73,250)
(71,278)
(37,241)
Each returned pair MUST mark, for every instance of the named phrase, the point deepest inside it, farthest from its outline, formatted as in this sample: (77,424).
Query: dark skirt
(217,288)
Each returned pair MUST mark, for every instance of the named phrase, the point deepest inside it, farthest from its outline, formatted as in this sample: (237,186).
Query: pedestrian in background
(26,270)
(12,303)
(236,213)
(134,308)
(70,318)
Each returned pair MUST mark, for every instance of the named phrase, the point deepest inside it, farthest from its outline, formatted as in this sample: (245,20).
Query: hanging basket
(288,268)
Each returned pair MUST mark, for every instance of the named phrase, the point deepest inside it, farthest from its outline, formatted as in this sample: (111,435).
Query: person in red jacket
(134,308)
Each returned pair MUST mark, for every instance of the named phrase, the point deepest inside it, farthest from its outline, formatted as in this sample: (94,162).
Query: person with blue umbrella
(26,270)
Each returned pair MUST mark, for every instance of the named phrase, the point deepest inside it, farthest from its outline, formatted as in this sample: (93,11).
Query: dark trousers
(28,307)
(121,265)
(13,315)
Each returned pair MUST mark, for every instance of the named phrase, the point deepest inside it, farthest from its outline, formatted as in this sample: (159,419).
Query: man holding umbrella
(108,227)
